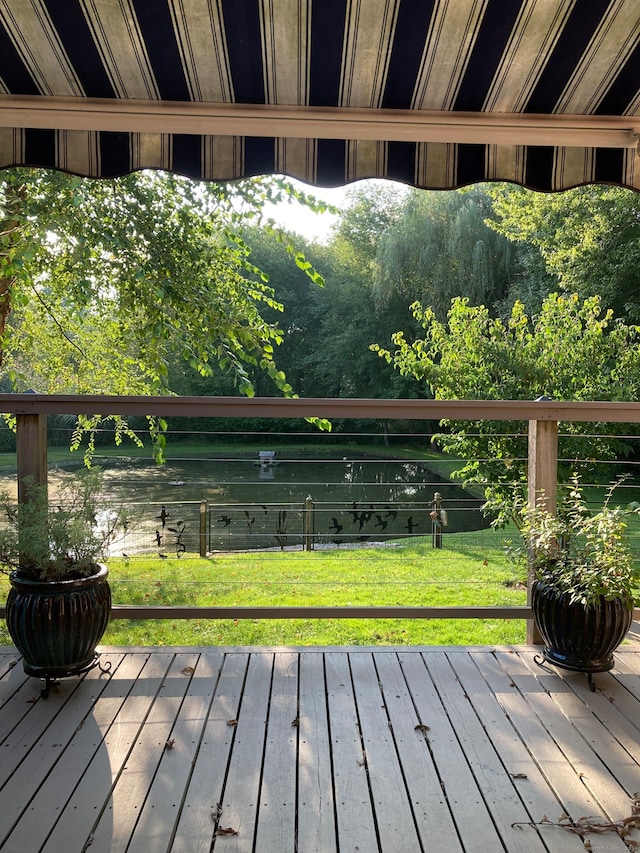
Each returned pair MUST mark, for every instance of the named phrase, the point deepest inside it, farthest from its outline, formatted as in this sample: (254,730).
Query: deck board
(240,801)
(464,798)
(316,804)
(203,798)
(498,789)
(354,811)
(317,751)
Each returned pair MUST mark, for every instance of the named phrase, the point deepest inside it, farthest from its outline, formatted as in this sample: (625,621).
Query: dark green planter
(576,637)
(56,625)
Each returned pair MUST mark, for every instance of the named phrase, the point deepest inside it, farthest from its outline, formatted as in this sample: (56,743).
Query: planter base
(548,656)
(51,676)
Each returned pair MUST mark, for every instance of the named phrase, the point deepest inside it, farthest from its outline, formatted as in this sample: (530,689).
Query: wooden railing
(542,415)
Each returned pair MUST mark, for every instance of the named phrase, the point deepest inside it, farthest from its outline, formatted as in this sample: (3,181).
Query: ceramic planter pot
(56,625)
(576,637)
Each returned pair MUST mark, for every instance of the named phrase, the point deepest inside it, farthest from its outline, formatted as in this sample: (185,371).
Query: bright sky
(301,220)
(317,226)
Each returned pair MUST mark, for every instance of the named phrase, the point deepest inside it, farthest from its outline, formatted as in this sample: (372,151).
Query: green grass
(472,571)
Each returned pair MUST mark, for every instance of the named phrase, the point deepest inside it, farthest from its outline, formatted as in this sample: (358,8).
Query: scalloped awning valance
(434,93)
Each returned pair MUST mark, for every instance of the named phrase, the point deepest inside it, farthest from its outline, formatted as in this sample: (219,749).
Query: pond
(254,504)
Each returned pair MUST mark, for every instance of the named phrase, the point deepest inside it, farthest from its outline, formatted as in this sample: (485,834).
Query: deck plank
(197,823)
(12,676)
(608,704)
(434,822)
(354,813)
(472,818)
(69,772)
(393,809)
(160,813)
(20,695)
(574,798)
(576,734)
(152,723)
(276,828)
(577,798)
(316,802)
(317,750)
(241,796)
(498,788)
(518,764)
(134,684)
(35,746)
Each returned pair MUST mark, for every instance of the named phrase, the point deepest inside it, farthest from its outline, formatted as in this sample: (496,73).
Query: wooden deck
(318,750)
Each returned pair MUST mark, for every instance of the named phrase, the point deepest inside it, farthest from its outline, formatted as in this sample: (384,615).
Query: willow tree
(440,247)
(101,280)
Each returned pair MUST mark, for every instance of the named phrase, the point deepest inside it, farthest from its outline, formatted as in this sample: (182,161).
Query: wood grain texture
(318,750)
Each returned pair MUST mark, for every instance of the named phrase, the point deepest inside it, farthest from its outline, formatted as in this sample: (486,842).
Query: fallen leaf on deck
(222,830)
(232,722)
(169,744)
(421,728)
(188,670)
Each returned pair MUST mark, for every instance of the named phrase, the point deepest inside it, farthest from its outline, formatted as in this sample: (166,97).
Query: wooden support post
(31,452)
(542,478)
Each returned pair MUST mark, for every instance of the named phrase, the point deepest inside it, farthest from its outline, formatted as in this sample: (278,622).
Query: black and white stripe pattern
(504,56)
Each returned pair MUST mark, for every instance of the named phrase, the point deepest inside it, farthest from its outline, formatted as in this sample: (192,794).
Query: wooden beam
(143,611)
(219,119)
(31,452)
(542,479)
(278,407)
(542,472)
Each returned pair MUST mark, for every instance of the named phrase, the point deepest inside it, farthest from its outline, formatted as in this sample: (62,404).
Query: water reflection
(253,504)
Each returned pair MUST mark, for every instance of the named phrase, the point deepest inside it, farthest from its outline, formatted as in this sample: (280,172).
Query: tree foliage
(101,280)
(589,239)
(571,350)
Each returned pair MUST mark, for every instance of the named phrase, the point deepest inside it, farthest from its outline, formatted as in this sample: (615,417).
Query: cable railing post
(308,524)
(31,452)
(31,457)
(204,513)
(542,478)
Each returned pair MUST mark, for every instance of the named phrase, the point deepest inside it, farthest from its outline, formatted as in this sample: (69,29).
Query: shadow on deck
(318,750)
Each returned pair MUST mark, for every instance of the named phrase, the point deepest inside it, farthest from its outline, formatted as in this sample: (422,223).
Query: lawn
(472,571)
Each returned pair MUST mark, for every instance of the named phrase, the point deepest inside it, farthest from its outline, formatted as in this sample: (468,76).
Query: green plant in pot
(583,579)
(59,603)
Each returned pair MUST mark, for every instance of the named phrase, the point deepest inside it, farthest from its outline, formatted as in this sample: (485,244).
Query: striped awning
(434,93)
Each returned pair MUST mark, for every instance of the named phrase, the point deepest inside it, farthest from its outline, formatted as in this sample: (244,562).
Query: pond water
(262,505)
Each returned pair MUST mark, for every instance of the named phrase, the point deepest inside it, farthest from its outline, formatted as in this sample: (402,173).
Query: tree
(572,350)
(439,247)
(346,315)
(99,280)
(589,239)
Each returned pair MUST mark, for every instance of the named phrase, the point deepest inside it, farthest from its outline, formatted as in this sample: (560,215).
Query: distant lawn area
(472,570)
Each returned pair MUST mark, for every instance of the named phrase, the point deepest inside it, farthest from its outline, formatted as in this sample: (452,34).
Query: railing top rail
(277,407)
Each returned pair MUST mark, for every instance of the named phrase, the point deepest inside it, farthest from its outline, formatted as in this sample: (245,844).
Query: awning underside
(432,93)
